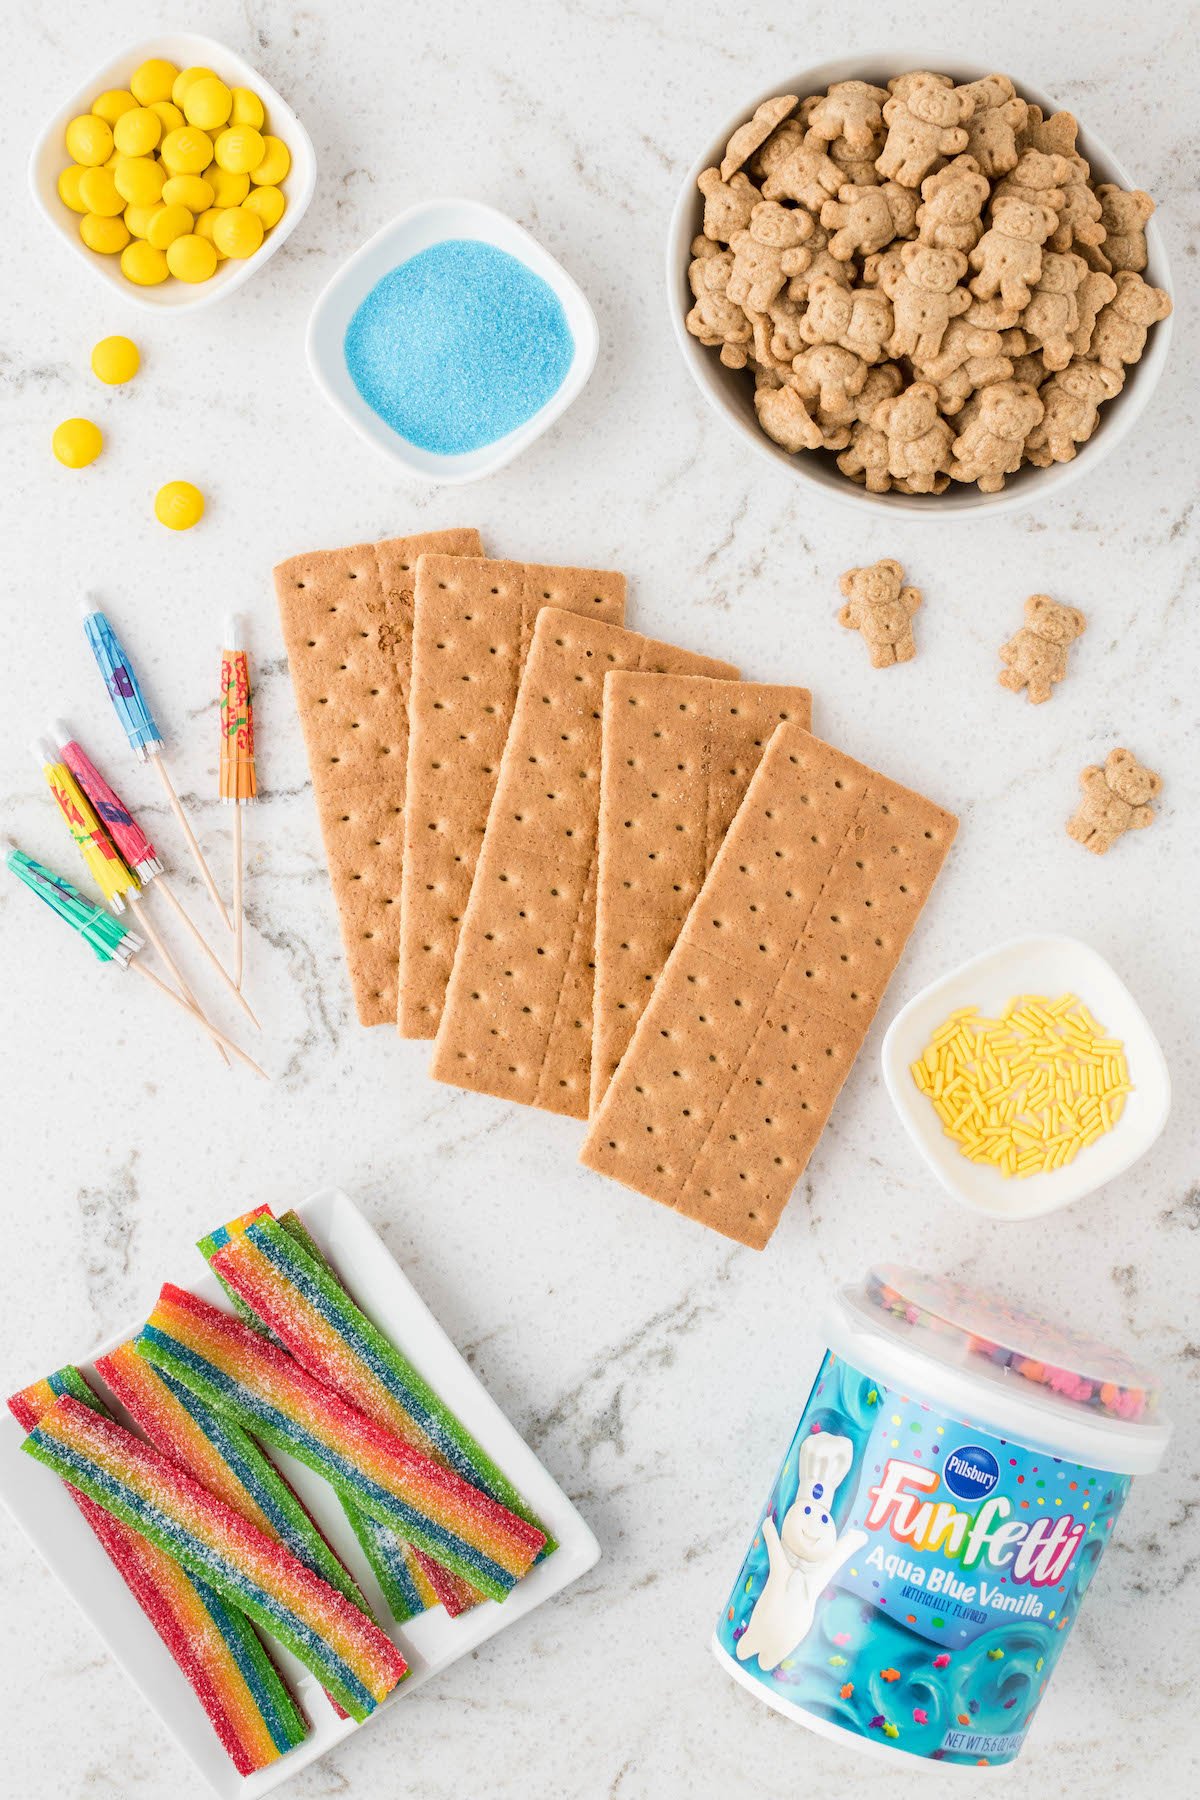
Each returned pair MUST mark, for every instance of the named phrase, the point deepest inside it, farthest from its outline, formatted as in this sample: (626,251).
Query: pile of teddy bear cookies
(924,279)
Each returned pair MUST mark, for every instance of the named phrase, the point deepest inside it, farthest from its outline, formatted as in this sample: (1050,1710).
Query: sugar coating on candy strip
(349,1655)
(403,1574)
(224,1458)
(272,1396)
(311,1313)
(216,1648)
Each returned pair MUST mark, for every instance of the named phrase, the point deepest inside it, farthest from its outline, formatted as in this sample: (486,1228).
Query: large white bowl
(433,222)
(186,49)
(730,392)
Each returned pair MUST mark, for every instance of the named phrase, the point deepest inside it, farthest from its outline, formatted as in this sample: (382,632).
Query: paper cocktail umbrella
(239,785)
(137,722)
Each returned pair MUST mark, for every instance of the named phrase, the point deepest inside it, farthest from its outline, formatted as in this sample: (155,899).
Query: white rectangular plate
(42,1506)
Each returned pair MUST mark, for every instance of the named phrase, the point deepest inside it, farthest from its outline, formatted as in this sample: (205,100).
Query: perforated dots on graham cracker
(473,624)
(772,984)
(678,754)
(346,617)
(518,1015)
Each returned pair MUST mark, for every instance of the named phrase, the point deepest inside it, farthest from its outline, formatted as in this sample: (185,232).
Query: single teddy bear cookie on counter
(880,606)
(1036,657)
(1116,799)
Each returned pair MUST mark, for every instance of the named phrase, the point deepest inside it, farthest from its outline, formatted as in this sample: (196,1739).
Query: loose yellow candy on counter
(115,360)
(138,218)
(167,223)
(89,140)
(179,505)
(98,191)
(228,189)
(240,149)
(142,264)
(207,103)
(139,180)
(247,109)
(153,80)
(268,203)
(192,191)
(187,151)
(237,231)
(76,443)
(103,235)
(170,115)
(192,257)
(136,133)
(274,165)
(110,105)
(68,187)
(184,80)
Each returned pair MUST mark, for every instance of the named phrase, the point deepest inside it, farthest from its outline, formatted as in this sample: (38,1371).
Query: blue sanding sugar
(458,346)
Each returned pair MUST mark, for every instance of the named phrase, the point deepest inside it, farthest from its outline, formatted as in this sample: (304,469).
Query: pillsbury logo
(970,1472)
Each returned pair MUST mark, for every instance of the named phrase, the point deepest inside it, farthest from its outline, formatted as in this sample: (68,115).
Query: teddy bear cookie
(1116,799)
(880,606)
(949,236)
(1035,659)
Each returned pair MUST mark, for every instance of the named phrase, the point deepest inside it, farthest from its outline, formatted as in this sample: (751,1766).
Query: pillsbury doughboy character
(804,1558)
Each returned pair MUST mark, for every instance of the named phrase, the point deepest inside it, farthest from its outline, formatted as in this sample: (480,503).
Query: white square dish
(186,49)
(1033,965)
(42,1506)
(433,222)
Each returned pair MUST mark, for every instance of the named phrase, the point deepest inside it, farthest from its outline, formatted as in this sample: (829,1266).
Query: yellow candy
(228,189)
(237,231)
(187,151)
(192,191)
(153,80)
(68,187)
(247,109)
(137,133)
(139,180)
(98,191)
(184,80)
(115,360)
(103,234)
(204,228)
(274,165)
(89,140)
(240,149)
(207,103)
(110,105)
(268,203)
(170,115)
(167,223)
(138,219)
(142,264)
(76,443)
(192,258)
(179,505)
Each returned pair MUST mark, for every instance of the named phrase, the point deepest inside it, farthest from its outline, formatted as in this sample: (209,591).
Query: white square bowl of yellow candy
(1028,1077)
(174,171)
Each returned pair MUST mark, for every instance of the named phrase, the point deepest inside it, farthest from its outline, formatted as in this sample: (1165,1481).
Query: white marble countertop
(657,1369)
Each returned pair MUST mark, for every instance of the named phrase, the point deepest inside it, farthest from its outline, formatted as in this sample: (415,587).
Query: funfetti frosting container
(956,1474)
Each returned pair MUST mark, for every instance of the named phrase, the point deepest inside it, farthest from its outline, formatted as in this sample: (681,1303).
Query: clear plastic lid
(988,1328)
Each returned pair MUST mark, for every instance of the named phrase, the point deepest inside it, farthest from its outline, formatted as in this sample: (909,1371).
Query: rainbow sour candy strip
(272,1396)
(350,1656)
(216,1647)
(221,1456)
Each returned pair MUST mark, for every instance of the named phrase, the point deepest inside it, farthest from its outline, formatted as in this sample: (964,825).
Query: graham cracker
(679,751)
(347,628)
(473,622)
(518,1015)
(766,998)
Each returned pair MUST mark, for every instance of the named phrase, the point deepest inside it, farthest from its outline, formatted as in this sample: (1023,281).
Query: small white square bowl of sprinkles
(1028,1077)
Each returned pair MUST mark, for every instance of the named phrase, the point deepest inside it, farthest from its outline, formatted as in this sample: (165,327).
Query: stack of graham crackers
(603,874)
